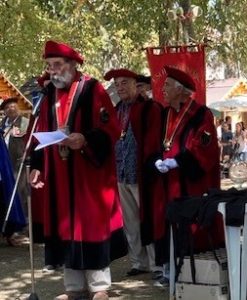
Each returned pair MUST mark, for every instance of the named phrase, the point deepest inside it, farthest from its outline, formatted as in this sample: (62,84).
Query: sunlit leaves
(112,33)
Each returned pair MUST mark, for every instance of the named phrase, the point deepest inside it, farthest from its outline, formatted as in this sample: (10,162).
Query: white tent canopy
(234,103)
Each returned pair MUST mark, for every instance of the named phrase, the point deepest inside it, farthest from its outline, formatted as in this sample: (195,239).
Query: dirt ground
(15,282)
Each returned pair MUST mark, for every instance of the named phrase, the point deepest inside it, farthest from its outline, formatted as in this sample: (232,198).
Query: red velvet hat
(181,77)
(54,49)
(115,73)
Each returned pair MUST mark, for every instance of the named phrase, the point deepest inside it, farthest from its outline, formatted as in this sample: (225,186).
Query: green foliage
(113,33)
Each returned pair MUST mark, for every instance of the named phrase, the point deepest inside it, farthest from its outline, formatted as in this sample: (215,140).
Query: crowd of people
(232,142)
(103,191)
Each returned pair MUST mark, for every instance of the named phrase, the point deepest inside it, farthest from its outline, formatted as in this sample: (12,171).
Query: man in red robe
(189,162)
(77,176)
(137,119)
(189,134)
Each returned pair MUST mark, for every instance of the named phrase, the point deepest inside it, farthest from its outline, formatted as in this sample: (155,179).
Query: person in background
(82,213)
(239,142)
(228,120)
(218,124)
(219,130)
(139,137)
(16,221)
(243,125)
(144,88)
(15,125)
(226,142)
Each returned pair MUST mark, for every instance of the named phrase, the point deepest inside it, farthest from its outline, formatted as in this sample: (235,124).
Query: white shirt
(219,132)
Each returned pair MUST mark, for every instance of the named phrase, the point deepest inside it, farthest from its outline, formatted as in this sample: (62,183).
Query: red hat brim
(115,73)
(185,79)
(54,49)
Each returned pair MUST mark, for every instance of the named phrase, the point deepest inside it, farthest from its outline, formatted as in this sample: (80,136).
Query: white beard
(61,81)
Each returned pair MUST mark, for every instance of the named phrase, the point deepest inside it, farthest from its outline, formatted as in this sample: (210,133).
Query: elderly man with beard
(82,213)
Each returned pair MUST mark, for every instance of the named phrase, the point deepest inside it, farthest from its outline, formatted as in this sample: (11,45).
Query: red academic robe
(146,120)
(195,148)
(80,199)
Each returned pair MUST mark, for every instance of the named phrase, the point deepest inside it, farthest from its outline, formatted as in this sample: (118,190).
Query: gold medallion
(171,128)
(167,145)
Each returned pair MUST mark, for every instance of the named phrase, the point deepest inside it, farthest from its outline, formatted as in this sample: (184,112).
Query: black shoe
(48,269)
(52,268)
(156,275)
(163,282)
(134,272)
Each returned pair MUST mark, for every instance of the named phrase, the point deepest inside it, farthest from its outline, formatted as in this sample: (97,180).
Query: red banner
(190,59)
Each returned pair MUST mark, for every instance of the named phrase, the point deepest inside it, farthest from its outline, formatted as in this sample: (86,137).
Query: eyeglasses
(56,66)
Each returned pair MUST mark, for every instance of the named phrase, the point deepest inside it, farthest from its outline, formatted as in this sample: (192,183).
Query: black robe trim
(37,160)
(96,255)
(188,164)
(99,145)
(148,175)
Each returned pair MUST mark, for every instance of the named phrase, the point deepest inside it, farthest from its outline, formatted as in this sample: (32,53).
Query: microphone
(37,98)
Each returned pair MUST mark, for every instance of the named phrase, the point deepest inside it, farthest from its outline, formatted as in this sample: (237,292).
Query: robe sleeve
(148,133)
(36,157)
(105,130)
(37,160)
(201,151)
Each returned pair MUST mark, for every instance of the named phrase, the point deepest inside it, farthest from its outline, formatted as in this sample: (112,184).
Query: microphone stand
(33,295)
(23,159)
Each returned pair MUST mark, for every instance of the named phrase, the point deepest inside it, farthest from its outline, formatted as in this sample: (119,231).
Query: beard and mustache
(61,81)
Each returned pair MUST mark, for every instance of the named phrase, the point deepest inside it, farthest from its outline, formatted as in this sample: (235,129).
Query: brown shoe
(70,295)
(102,295)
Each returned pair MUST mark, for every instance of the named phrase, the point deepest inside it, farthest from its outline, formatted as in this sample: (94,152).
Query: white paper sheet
(49,138)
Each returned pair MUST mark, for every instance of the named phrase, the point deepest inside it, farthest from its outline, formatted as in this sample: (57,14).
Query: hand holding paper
(74,141)
(49,138)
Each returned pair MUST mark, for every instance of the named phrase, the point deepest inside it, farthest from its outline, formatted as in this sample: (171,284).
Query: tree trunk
(164,24)
(188,30)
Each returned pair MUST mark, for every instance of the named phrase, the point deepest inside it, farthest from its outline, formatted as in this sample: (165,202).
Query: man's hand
(74,141)
(34,179)
(161,166)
